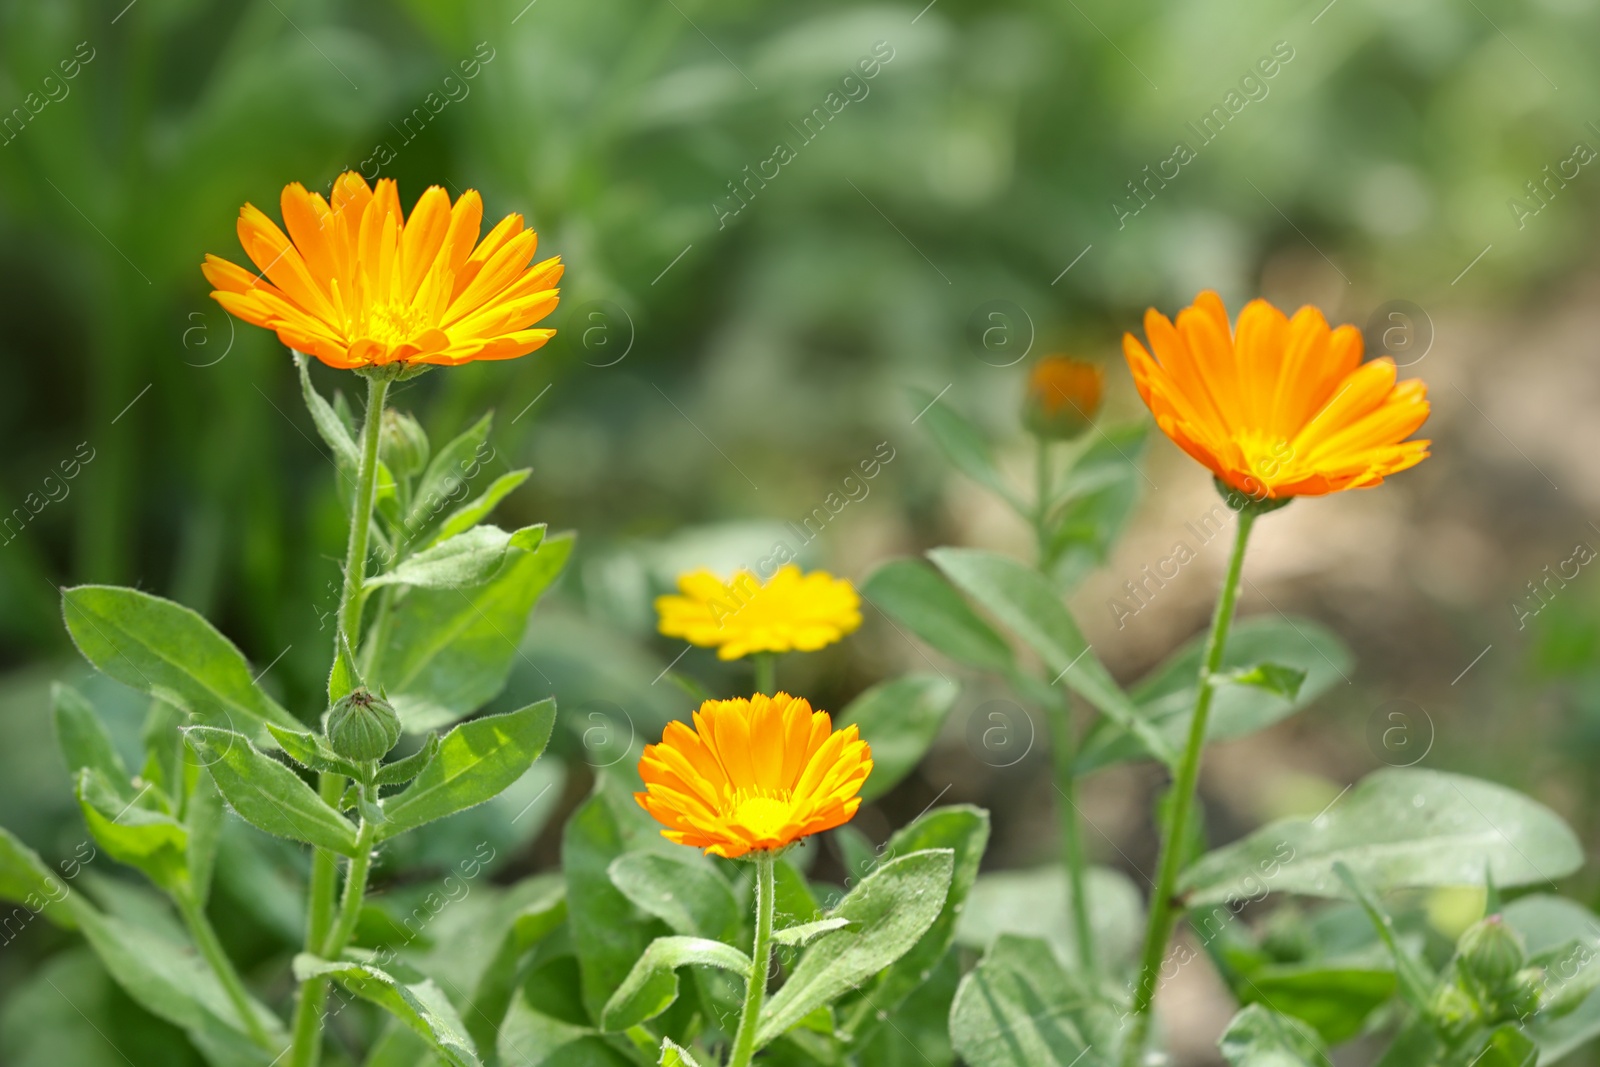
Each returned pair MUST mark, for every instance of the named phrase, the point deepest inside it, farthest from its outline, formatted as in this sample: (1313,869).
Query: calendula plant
(359,286)
(702,869)
(1275,407)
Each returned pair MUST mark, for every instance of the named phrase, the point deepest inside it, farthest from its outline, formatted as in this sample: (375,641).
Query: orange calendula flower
(753,775)
(1063,395)
(1280,407)
(356,284)
(790,612)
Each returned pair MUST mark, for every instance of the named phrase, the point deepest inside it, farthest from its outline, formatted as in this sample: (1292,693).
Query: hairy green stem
(307,1049)
(1163,908)
(355,553)
(744,1042)
(194,917)
(767,673)
(355,889)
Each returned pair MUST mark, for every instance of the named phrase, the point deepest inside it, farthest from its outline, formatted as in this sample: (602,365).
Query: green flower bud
(1489,953)
(1454,1012)
(402,443)
(363,727)
(1527,993)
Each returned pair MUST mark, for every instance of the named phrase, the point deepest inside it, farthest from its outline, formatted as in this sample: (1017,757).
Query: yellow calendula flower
(753,775)
(1278,407)
(790,612)
(357,284)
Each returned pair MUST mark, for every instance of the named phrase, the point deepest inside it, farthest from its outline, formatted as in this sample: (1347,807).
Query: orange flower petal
(1278,407)
(752,775)
(353,282)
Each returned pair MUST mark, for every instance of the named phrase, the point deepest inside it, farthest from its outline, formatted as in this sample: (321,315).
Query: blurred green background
(741,323)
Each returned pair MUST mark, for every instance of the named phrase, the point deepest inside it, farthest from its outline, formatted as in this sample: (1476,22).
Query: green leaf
(84,741)
(344,676)
(963,444)
(476,761)
(684,892)
(203,819)
(446,476)
(889,911)
(532,1038)
(1273,677)
(1334,1000)
(404,770)
(1084,529)
(26,880)
(1023,600)
(914,595)
(1508,1046)
(166,769)
(606,934)
(899,719)
(542,915)
(1415,980)
(1019,1008)
(171,980)
(150,841)
(469,558)
(451,650)
(674,1055)
(1166,695)
(1551,924)
(1258,1037)
(964,830)
(806,933)
(1037,903)
(1098,493)
(312,751)
(268,795)
(467,516)
(331,428)
(652,985)
(420,1005)
(170,652)
(1397,828)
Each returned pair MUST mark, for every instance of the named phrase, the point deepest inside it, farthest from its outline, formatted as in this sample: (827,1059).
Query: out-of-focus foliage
(741,324)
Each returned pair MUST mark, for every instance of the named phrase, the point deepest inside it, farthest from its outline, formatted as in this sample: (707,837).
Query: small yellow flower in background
(1062,396)
(753,775)
(356,284)
(1281,407)
(790,612)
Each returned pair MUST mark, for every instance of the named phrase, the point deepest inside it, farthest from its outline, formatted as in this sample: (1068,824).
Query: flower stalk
(744,1042)
(1063,743)
(205,936)
(1164,909)
(766,664)
(307,1050)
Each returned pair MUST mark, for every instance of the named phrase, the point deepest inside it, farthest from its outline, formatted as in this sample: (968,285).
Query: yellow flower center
(763,816)
(394,324)
(1266,455)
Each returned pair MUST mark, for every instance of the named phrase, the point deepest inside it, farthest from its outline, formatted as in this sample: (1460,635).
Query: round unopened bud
(363,727)
(1062,397)
(1454,1012)
(1489,953)
(402,443)
(1528,994)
